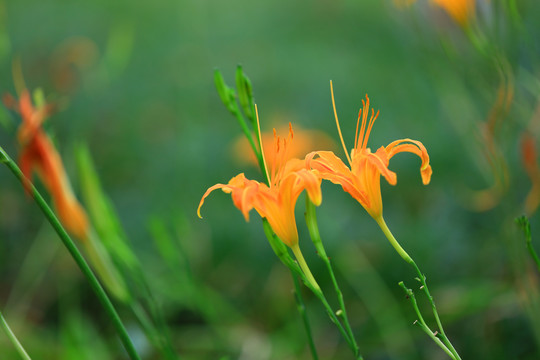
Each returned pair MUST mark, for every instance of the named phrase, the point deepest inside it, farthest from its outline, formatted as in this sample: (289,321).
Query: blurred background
(134,82)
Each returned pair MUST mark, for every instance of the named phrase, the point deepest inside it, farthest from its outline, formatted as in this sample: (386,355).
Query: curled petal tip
(426,174)
(391,177)
(316,198)
(199,210)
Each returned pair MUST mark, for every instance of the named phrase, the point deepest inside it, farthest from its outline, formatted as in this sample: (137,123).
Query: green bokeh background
(140,93)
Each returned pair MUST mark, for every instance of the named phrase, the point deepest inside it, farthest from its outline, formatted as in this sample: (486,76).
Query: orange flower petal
(39,154)
(52,172)
(312,184)
(331,168)
(416,148)
(32,118)
(242,191)
(327,162)
(226,188)
(380,161)
(278,209)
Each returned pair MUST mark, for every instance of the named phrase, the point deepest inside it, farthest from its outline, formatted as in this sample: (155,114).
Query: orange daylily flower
(276,203)
(39,154)
(361,178)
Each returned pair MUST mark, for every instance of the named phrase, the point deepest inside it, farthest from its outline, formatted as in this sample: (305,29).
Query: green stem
(236,113)
(311,220)
(242,122)
(422,279)
(533,254)
(425,288)
(393,241)
(303,265)
(282,253)
(13,339)
(421,322)
(312,284)
(336,321)
(525,225)
(102,263)
(300,305)
(83,265)
(280,249)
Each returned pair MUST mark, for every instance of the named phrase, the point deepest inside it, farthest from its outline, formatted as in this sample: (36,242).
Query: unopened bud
(245,94)
(225,93)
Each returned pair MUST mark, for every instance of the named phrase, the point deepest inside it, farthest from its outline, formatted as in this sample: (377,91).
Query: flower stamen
(365,136)
(360,141)
(337,123)
(261,145)
(357,124)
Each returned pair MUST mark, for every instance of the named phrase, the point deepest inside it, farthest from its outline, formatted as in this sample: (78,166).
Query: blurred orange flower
(530,162)
(39,154)
(460,10)
(362,179)
(304,142)
(288,177)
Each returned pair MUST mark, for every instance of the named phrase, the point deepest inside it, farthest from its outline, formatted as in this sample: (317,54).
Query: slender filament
(261,146)
(337,123)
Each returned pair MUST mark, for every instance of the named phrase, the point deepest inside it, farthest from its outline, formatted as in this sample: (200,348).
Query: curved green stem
(79,259)
(422,323)
(303,265)
(382,224)
(311,220)
(24,355)
(424,287)
(312,284)
(281,251)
